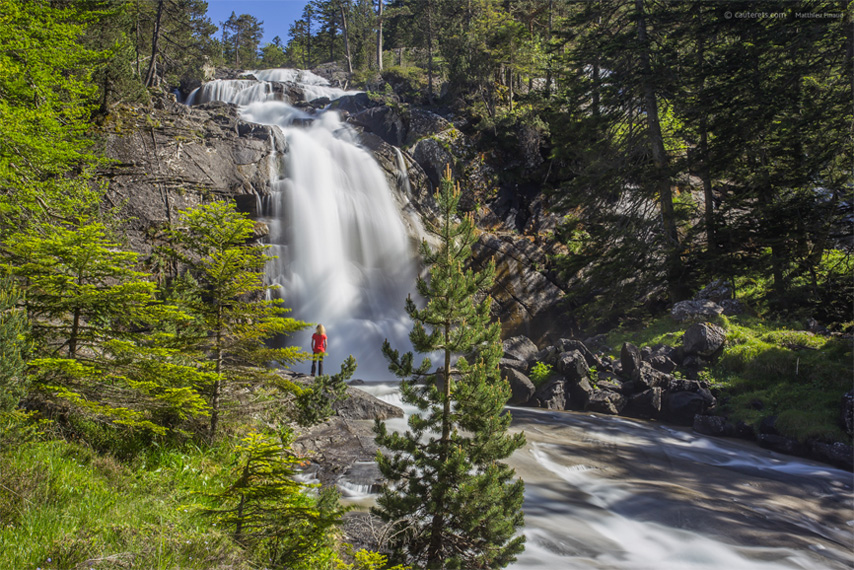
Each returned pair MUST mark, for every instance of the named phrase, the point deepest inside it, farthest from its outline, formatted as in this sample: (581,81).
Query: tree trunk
(155,41)
(215,389)
(704,171)
(379,35)
(345,30)
(659,158)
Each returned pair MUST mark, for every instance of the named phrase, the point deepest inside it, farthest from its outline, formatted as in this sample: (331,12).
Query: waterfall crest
(344,258)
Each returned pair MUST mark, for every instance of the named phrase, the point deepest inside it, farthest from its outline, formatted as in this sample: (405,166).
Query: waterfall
(344,258)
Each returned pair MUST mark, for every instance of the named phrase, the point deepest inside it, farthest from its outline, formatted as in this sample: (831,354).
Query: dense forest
(672,144)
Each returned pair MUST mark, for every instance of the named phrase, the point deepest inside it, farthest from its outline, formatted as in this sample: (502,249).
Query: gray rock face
(173,157)
(552,395)
(519,348)
(716,291)
(334,446)
(433,158)
(520,365)
(526,300)
(521,386)
(384,122)
(695,310)
(703,339)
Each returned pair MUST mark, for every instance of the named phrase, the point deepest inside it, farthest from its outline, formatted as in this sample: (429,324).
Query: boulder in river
(520,385)
(552,395)
(606,402)
(519,348)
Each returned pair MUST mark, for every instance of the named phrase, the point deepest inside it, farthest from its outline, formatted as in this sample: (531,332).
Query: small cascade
(343,254)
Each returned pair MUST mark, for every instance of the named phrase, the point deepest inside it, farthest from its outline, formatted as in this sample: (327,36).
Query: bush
(540,373)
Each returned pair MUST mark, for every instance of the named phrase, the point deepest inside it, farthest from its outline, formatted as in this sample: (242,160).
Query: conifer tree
(224,288)
(451,501)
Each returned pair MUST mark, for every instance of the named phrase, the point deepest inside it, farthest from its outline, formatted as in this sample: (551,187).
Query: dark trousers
(317,363)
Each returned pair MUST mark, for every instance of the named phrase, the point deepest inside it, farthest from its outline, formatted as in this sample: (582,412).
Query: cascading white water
(344,258)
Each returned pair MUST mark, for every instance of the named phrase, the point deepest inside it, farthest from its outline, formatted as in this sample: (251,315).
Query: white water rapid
(609,493)
(344,258)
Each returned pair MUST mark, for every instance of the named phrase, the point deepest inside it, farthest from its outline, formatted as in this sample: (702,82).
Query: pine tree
(451,502)
(13,325)
(224,288)
(272,514)
(91,315)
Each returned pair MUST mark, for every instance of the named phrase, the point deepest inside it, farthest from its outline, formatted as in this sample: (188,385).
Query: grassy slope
(770,369)
(64,506)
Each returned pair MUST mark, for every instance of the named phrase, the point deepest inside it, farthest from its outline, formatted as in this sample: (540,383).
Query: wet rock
(681,407)
(606,402)
(695,310)
(630,358)
(782,444)
(837,454)
(360,405)
(713,425)
(682,385)
(703,339)
(519,348)
(552,395)
(646,405)
(520,385)
(573,366)
(384,122)
(334,446)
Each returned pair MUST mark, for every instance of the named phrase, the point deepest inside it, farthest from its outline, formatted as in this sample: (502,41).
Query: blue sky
(277,15)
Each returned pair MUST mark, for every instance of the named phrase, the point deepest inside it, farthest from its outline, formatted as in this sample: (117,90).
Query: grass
(64,506)
(769,369)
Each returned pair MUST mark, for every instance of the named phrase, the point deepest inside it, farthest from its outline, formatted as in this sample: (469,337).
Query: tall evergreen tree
(224,288)
(451,501)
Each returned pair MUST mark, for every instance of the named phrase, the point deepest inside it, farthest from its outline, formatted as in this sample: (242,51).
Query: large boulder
(360,405)
(682,385)
(646,405)
(648,377)
(520,385)
(681,407)
(695,310)
(579,394)
(630,358)
(552,395)
(566,345)
(606,402)
(520,365)
(385,122)
(573,366)
(519,348)
(713,425)
(703,339)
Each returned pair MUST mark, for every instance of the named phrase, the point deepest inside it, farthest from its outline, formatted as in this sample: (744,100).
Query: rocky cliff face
(169,157)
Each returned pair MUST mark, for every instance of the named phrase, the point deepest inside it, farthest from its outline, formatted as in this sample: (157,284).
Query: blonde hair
(320,329)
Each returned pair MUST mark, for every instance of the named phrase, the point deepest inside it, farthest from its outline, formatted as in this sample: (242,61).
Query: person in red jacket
(318,348)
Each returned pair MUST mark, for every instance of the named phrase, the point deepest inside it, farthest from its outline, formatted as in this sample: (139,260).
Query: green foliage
(368,560)
(315,403)
(46,96)
(450,500)
(224,293)
(87,307)
(13,346)
(269,512)
(540,373)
